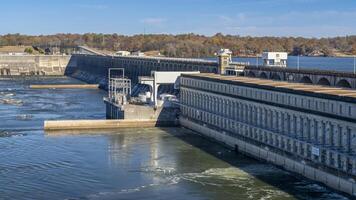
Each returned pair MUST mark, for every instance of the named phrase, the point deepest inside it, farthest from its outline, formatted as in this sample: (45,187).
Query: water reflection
(177,158)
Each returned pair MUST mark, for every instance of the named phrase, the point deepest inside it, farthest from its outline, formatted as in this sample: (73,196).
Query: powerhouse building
(307,129)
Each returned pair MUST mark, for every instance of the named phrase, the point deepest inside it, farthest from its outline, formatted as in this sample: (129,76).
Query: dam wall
(27,65)
(306,129)
(94,68)
(264,154)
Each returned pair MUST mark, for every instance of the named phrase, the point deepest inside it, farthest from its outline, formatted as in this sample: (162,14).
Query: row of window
(295,124)
(288,99)
(298,148)
(162,63)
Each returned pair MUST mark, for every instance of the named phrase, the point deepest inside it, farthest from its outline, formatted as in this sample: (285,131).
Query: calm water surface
(129,164)
(323,63)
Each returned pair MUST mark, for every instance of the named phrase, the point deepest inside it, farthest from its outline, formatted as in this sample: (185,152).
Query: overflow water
(169,163)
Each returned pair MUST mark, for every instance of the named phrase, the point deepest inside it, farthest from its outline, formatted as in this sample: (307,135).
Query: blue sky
(308,18)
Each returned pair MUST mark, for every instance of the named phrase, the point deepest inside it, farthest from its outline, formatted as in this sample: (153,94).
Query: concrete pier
(71,86)
(104,124)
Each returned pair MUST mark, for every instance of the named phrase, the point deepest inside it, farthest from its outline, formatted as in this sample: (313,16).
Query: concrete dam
(32,65)
(282,116)
(94,68)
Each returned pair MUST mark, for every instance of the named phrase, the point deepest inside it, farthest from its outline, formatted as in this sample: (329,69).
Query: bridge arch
(263,75)
(276,77)
(4,71)
(324,81)
(343,83)
(306,80)
(251,74)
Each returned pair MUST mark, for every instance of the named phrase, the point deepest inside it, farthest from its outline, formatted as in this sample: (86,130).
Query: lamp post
(354,64)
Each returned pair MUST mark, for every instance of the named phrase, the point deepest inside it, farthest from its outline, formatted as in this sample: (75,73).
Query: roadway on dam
(151,163)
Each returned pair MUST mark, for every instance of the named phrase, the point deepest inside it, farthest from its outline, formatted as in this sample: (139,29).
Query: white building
(122,53)
(275,59)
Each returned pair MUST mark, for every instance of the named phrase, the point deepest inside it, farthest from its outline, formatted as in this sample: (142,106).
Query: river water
(169,163)
(345,64)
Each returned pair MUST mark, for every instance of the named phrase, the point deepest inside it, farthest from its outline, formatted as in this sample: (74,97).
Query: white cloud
(153,21)
(225,18)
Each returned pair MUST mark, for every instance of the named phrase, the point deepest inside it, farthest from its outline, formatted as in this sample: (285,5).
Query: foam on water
(215,177)
(4,133)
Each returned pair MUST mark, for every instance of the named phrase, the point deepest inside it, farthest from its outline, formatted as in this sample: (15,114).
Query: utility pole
(354,64)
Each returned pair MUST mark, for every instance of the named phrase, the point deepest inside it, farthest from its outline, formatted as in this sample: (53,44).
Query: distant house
(275,59)
(122,53)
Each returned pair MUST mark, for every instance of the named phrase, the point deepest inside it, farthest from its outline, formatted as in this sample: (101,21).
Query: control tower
(224,60)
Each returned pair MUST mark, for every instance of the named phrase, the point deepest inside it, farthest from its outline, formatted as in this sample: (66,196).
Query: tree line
(190,45)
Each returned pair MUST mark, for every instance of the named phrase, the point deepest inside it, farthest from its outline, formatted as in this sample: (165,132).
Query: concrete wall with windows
(317,132)
(264,153)
(297,100)
(94,69)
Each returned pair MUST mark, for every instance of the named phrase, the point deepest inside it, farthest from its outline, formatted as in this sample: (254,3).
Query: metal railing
(119,87)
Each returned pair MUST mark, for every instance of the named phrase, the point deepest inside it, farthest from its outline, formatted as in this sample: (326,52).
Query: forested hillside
(192,45)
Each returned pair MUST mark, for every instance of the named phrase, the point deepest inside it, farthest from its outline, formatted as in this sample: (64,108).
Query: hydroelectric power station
(301,120)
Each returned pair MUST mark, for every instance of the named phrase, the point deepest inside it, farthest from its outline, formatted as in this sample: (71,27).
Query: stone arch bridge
(308,76)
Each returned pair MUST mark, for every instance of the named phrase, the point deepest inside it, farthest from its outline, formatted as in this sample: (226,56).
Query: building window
(323,104)
(332,107)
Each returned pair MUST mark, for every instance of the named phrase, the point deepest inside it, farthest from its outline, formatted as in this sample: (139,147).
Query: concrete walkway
(104,124)
(71,86)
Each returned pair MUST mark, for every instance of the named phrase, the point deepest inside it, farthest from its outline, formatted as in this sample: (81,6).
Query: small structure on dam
(152,104)
(160,78)
(226,66)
